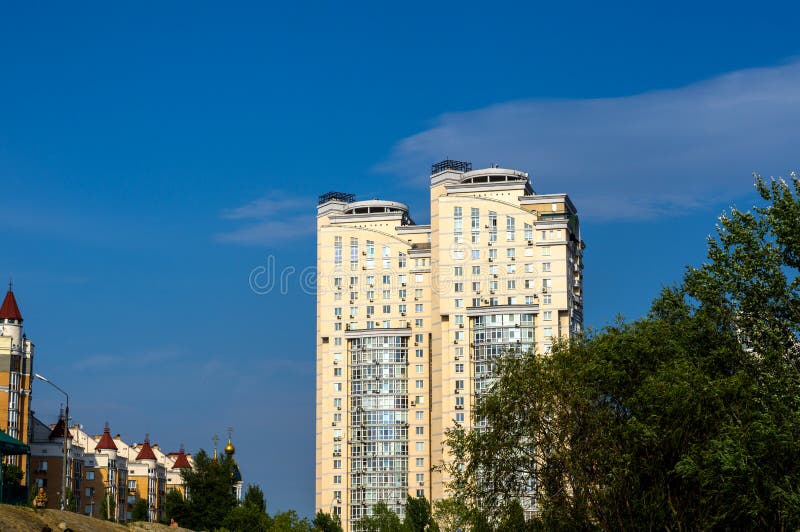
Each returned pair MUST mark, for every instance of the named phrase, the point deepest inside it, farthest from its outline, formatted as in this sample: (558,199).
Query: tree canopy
(686,418)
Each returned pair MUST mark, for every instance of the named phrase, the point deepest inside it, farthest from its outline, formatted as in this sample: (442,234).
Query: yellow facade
(409,318)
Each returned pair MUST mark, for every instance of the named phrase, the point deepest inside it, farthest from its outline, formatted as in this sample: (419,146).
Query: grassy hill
(22,519)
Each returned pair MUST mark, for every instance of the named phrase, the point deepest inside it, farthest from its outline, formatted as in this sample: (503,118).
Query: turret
(11,317)
(106,443)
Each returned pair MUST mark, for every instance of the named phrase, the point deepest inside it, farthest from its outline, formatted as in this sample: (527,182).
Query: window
(492,226)
(402,293)
(547,283)
(511,253)
(459,417)
(387,258)
(90,475)
(337,372)
(529,268)
(547,315)
(418,293)
(419,399)
(419,368)
(337,464)
(419,430)
(510,228)
(420,415)
(401,260)
(460,402)
(370,310)
(386,294)
(337,479)
(418,278)
(494,269)
(476,286)
(459,368)
(459,385)
(511,284)
(402,279)
(548,332)
(402,308)
(420,462)
(529,283)
(337,341)
(545,251)
(420,384)
(337,417)
(459,303)
(492,254)
(458,225)
(419,353)
(337,252)
(476,253)
(458,319)
(337,403)
(418,322)
(337,386)
(337,311)
(89,492)
(547,299)
(337,296)
(387,279)
(418,307)
(353,253)
(476,270)
(476,302)
(387,309)
(420,477)
(475,225)
(43,466)
(511,268)
(545,266)
(419,338)
(420,445)
(528,232)
(458,271)
(529,300)
(458,287)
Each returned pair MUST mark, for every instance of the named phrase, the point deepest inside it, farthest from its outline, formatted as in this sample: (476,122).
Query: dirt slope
(22,519)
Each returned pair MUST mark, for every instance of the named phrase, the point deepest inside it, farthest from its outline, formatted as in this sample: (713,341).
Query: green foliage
(418,515)
(175,507)
(686,419)
(324,522)
(246,518)
(255,497)
(72,503)
(210,487)
(289,521)
(381,520)
(139,512)
(108,508)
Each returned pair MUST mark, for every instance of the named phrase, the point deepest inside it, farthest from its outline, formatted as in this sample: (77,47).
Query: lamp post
(66,430)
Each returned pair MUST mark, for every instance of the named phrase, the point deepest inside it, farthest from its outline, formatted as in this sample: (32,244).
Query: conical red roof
(58,430)
(146,453)
(9,310)
(106,441)
(181,462)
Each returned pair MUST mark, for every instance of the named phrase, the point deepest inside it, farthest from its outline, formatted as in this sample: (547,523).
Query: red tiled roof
(9,309)
(181,462)
(106,442)
(146,453)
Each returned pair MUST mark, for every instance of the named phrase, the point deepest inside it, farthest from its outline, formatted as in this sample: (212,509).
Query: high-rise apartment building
(410,318)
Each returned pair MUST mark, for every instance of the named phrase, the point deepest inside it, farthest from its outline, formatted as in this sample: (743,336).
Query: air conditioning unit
(457,391)
(335,362)
(545,289)
(338,408)
(513,258)
(402,313)
(491,259)
(338,287)
(372,300)
(494,275)
(412,403)
(460,325)
(364,253)
(333,424)
(457,357)
(402,284)
(490,243)
(369,315)
(486,226)
(363,267)
(351,301)
(459,407)
(339,316)
(455,342)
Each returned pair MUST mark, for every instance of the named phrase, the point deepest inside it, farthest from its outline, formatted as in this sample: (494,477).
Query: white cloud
(642,156)
(269,220)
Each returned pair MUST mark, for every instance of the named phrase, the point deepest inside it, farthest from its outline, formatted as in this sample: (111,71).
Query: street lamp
(66,425)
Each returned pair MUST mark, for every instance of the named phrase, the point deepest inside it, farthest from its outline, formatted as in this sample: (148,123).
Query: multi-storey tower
(16,372)
(411,317)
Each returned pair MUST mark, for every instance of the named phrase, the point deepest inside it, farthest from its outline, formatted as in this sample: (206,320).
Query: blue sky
(151,155)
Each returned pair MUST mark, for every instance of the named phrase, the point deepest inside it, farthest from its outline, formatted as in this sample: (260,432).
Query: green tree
(684,419)
(324,522)
(139,512)
(246,518)
(381,520)
(175,507)
(289,521)
(210,487)
(255,497)
(108,508)
(418,515)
